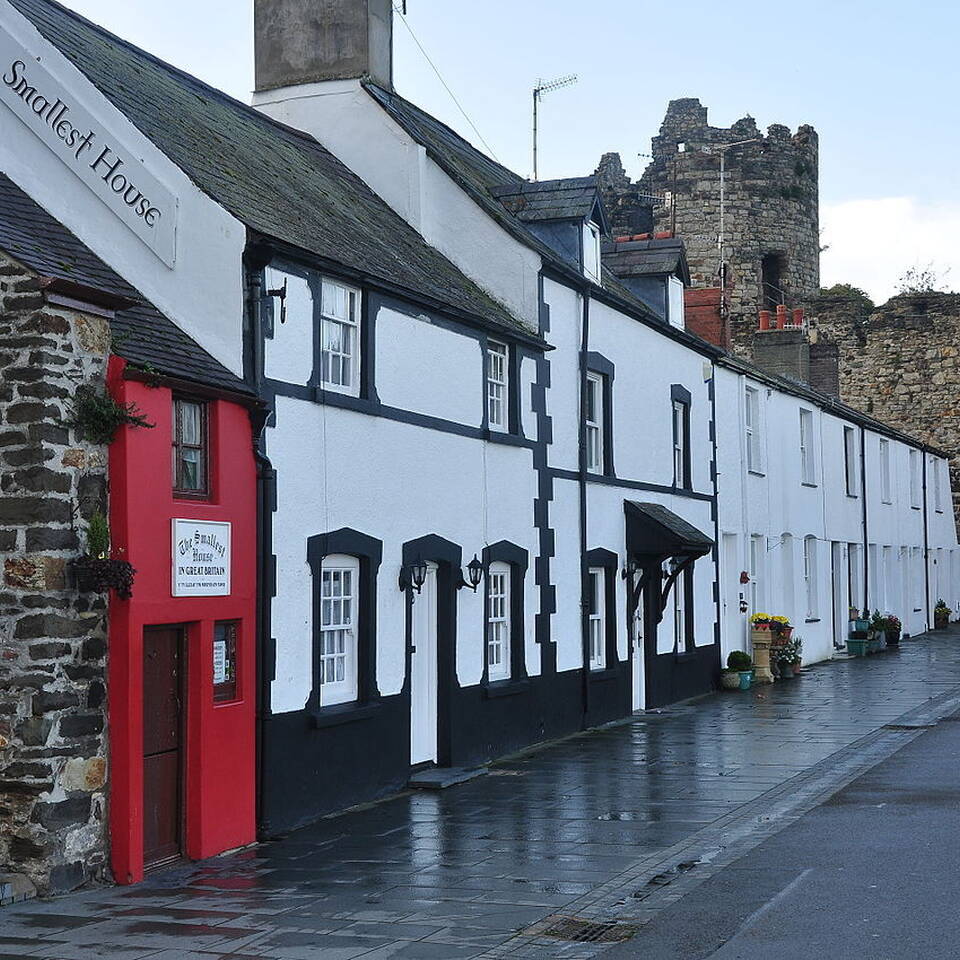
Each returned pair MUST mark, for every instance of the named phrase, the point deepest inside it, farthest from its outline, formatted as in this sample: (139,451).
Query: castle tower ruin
(770,210)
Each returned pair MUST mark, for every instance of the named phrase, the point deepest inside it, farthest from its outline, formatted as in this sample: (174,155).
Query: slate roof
(278,181)
(575,198)
(644,258)
(142,334)
(481,178)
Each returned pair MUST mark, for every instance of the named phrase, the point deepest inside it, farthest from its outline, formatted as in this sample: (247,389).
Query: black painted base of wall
(314,767)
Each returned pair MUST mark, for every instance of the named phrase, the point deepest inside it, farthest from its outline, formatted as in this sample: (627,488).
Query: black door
(162,744)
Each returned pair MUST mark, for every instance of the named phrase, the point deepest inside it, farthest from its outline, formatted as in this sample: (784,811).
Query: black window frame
(368,552)
(205,491)
(609,562)
(517,560)
(601,367)
(680,395)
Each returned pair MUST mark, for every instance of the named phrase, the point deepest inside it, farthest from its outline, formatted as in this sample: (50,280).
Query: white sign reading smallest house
(201,558)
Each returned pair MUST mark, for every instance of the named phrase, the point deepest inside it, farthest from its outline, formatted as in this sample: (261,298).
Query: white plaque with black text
(201,558)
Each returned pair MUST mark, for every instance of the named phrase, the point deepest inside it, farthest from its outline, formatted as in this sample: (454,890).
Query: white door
(733,592)
(841,615)
(423,672)
(638,691)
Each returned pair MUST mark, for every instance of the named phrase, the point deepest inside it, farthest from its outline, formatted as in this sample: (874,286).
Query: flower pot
(857,648)
(784,634)
(730,680)
(874,644)
(861,625)
(795,667)
(941,622)
(893,638)
(746,678)
(785,672)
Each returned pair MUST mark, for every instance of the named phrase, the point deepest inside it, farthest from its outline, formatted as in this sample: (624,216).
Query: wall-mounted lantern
(474,574)
(414,575)
(630,569)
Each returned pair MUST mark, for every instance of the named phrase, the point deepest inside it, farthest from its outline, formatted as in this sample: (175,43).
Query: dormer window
(591,250)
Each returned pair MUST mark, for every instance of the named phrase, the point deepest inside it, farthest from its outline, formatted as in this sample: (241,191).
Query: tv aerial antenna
(542,87)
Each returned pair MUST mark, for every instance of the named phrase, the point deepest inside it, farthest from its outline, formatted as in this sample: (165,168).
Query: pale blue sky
(877,80)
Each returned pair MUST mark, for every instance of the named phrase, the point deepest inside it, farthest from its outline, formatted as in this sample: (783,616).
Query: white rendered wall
(356,129)
(396,482)
(203,292)
(441,373)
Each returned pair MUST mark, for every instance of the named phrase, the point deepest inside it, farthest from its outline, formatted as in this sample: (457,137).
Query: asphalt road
(873,874)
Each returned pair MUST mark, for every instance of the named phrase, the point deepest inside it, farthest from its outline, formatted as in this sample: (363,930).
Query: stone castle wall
(53,757)
(901,364)
(771,205)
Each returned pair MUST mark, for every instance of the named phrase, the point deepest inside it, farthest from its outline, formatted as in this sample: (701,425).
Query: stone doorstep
(15,888)
(439,778)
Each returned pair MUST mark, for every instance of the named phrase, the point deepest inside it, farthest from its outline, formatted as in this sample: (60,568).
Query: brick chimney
(306,41)
(786,347)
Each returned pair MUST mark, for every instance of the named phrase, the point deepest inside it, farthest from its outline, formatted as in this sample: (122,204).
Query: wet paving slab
(454,874)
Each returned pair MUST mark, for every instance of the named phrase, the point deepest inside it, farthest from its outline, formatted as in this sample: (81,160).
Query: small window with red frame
(190,448)
(224,661)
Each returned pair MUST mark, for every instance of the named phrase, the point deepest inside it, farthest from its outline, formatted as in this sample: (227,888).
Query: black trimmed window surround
(600,570)
(680,420)
(501,388)
(682,606)
(342,336)
(350,605)
(598,415)
(191,448)
(513,561)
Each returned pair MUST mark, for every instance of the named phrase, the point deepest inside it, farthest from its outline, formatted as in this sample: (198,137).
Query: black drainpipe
(266,492)
(926,544)
(866,539)
(582,483)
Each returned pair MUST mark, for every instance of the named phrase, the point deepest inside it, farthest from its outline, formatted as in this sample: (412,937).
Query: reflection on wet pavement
(449,875)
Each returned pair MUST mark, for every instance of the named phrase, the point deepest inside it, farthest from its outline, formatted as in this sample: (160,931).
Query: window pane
(190,423)
(190,478)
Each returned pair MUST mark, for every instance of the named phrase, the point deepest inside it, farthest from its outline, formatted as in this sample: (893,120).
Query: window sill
(601,676)
(340,713)
(505,436)
(505,688)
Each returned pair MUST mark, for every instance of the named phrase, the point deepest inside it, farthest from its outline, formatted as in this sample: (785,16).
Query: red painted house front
(182,667)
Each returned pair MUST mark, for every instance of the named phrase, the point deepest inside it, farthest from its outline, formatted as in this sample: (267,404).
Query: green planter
(857,648)
(861,624)
(874,646)
(746,678)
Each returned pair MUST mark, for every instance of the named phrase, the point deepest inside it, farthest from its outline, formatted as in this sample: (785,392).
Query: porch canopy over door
(656,534)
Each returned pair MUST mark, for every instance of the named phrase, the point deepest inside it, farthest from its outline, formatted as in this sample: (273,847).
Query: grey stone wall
(771,205)
(53,754)
(901,364)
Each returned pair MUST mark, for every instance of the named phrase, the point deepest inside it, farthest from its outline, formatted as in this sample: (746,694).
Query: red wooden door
(162,744)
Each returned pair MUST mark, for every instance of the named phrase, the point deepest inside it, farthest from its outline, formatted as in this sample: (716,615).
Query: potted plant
(740,663)
(861,621)
(729,679)
(785,662)
(797,661)
(96,571)
(760,623)
(857,643)
(941,615)
(877,632)
(893,628)
(781,629)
